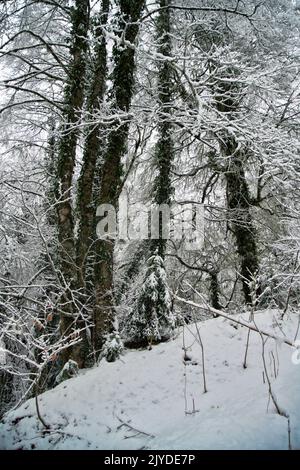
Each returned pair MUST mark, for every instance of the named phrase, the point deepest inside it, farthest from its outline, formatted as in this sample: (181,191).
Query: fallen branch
(239,322)
(131,428)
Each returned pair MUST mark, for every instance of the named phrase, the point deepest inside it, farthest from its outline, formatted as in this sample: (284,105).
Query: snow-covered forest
(149,224)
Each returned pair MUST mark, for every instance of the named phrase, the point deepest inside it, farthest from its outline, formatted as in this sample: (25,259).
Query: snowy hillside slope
(155,400)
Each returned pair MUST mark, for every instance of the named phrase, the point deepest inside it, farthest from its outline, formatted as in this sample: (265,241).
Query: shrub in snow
(151,318)
(113,347)
(69,370)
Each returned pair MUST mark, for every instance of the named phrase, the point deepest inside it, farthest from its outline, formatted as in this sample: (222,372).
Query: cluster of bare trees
(172,102)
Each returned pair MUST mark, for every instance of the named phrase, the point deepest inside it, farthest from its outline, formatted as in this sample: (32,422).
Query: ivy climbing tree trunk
(92,147)
(152,318)
(164,153)
(74,97)
(239,204)
(111,171)
(238,195)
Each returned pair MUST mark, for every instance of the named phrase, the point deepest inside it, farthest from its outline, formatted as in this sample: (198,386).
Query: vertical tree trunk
(214,290)
(92,146)
(74,97)
(153,319)
(123,82)
(239,203)
(227,100)
(6,392)
(164,148)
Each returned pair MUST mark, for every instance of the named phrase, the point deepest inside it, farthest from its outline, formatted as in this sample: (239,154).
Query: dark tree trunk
(239,203)
(6,392)
(74,97)
(164,149)
(111,172)
(214,290)
(92,149)
(227,99)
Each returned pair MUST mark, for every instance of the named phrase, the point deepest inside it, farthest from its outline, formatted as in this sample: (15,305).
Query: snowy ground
(150,392)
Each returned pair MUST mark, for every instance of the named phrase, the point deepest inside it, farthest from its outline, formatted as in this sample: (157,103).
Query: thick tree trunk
(6,392)
(227,98)
(164,148)
(239,203)
(111,172)
(92,149)
(74,97)
(214,290)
